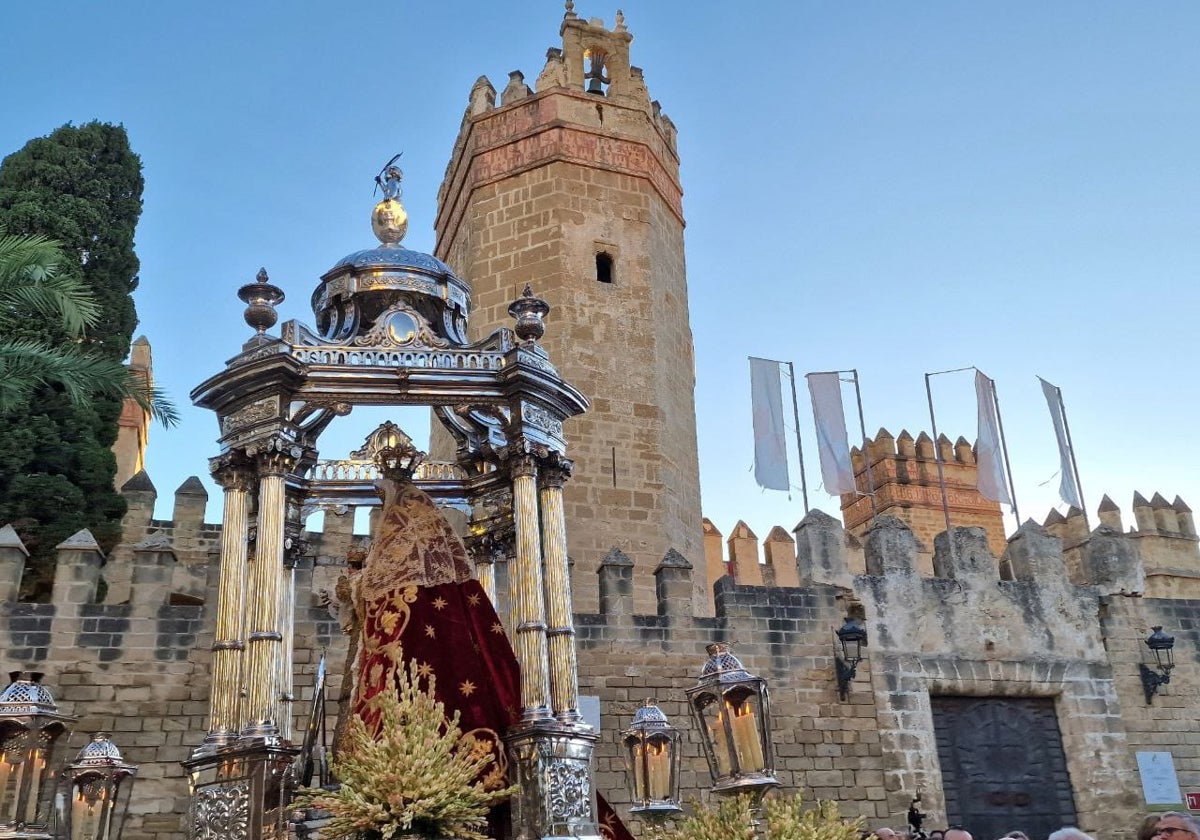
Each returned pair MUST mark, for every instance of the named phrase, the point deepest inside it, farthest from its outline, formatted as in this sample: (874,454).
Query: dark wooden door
(1003,767)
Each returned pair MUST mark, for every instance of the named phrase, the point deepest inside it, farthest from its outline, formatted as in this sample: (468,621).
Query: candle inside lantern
(640,772)
(36,767)
(720,745)
(659,771)
(85,816)
(5,773)
(745,739)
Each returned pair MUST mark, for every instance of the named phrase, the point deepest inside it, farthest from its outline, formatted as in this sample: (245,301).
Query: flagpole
(799,445)
(1074,463)
(937,456)
(1012,490)
(862,425)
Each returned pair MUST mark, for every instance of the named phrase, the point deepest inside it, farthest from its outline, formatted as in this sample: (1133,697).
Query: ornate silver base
(214,742)
(553,763)
(239,792)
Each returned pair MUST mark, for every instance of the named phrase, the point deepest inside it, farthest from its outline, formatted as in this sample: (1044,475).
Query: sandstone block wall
(137,663)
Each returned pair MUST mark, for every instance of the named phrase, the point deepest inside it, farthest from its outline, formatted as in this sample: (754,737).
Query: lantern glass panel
(656,751)
(712,714)
(98,805)
(637,774)
(89,808)
(744,714)
(39,793)
(123,787)
(12,759)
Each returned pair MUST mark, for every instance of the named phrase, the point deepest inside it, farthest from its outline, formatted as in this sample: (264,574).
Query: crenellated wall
(125,640)
(901,475)
(125,644)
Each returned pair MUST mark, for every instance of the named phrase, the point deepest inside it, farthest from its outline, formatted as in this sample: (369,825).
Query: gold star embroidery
(497,627)
(473,600)
(439,603)
(424,669)
(467,688)
(430,632)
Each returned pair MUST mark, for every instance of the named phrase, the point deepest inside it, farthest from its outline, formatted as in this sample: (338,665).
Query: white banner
(766,403)
(833,443)
(988,457)
(1068,490)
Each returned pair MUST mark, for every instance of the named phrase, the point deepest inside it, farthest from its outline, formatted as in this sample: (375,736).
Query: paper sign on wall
(1160,785)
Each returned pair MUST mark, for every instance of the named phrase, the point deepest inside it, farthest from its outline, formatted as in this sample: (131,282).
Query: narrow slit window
(604,267)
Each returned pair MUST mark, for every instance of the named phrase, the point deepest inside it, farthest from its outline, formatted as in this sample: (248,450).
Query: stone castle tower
(133,426)
(902,473)
(575,188)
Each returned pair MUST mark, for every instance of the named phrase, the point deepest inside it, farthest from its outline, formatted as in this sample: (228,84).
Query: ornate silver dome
(394,258)
(649,716)
(99,752)
(389,295)
(723,666)
(26,696)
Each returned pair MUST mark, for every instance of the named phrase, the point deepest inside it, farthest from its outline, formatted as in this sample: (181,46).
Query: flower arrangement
(786,819)
(421,776)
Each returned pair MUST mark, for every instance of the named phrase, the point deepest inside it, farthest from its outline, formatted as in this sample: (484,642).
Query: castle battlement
(820,550)
(900,473)
(126,639)
(1011,628)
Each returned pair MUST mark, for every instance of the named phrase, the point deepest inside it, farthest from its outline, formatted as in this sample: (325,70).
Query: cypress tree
(82,186)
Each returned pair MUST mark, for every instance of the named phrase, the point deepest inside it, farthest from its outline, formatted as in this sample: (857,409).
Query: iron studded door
(1003,766)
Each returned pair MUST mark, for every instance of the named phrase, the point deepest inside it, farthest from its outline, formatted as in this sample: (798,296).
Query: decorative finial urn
(261,298)
(389,220)
(530,312)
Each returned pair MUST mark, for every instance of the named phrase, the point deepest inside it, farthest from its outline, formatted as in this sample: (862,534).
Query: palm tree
(31,286)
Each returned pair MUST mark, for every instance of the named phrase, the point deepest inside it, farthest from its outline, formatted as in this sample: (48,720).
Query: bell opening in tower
(597,82)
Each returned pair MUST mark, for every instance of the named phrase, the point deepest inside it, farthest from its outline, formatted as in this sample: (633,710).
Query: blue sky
(894,187)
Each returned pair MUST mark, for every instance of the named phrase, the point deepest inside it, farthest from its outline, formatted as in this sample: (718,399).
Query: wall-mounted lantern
(852,637)
(732,710)
(30,727)
(1164,661)
(652,763)
(96,792)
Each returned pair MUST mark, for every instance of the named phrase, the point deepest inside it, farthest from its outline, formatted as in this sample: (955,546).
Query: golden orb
(389,221)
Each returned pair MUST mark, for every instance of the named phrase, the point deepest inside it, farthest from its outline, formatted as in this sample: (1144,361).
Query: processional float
(391,330)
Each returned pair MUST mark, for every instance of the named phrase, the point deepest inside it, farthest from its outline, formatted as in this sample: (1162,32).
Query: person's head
(936,834)
(1148,826)
(1176,826)
(1071,833)
(1015,835)
(957,834)
(885,834)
